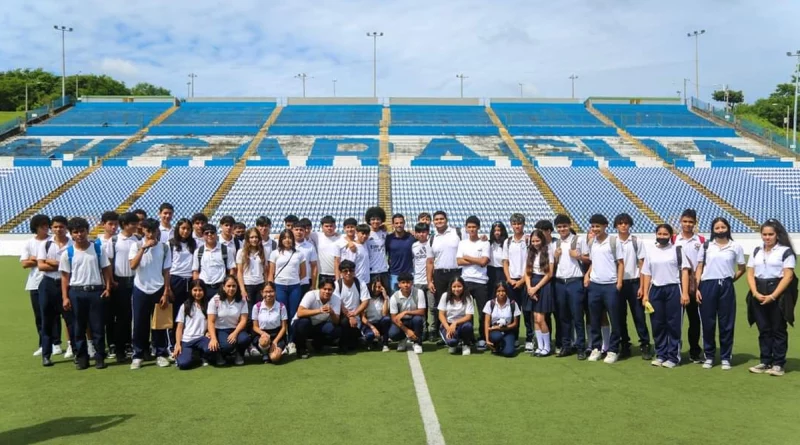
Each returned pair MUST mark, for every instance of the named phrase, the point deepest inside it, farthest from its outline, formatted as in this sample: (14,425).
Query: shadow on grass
(63,427)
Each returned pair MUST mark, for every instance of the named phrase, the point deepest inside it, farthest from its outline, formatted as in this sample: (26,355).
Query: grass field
(9,115)
(370,398)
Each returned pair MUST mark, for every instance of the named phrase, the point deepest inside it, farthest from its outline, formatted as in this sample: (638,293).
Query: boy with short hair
(119,305)
(226,237)
(199,220)
(264,227)
(407,308)
(238,231)
(48,259)
(290,221)
(398,248)
(40,227)
(691,243)
(142,215)
(376,244)
(569,290)
(165,213)
(354,295)
(212,262)
(307,249)
(419,251)
(351,247)
(515,257)
(326,240)
(473,257)
(631,292)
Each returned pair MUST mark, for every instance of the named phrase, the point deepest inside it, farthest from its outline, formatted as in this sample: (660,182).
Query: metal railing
(778,138)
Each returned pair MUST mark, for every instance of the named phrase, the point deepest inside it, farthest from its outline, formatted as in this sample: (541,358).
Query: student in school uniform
(442,265)
(419,250)
(662,268)
(375,217)
(264,227)
(226,237)
(515,254)
(355,297)
(424,218)
(325,242)
(691,243)
(407,308)
(152,262)
(317,318)
(498,235)
(110,223)
(501,318)
(603,282)
(569,292)
(287,272)
(631,293)
(309,280)
(270,325)
(473,257)
(142,215)
(547,228)
(770,302)
(227,323)
(239,230)
(40,227)
(182,247)
(398,247)
(720,264)
(353,247)
(375,320)
(49,292)
(191,329)
(289,221)
(538,274)
(199,221)
(456,310)
(165,214)
(85,287)
(119,305)
(251,268)
(212,261)
(345,248)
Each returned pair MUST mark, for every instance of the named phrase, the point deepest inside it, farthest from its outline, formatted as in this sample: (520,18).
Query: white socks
(605,331)
(542,342)
(539,341)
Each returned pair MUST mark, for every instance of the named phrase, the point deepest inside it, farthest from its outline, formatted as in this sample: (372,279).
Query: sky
(255,49)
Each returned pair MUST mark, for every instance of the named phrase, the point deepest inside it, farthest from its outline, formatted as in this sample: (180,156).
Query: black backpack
(356,283)
(202,249)
(513,306)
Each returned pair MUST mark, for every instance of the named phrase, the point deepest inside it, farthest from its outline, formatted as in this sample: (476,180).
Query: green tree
(732,97)
(146,89)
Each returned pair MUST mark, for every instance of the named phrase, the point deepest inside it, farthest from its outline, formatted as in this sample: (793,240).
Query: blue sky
(254,48)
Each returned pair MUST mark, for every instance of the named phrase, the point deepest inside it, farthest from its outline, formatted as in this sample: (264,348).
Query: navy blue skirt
(545,304)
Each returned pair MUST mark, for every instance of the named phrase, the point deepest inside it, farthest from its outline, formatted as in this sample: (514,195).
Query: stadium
(491,157)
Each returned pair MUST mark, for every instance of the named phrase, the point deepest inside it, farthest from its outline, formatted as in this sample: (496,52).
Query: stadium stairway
(238,168)
(622,133)
(537,179)
(385,170)
(632,197)
(128,202)
(713,197)
(50,197)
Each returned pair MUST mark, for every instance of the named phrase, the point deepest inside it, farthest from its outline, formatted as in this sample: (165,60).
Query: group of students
(241,292)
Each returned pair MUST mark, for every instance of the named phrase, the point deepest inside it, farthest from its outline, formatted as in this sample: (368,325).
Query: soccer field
(9,115)
(370,397)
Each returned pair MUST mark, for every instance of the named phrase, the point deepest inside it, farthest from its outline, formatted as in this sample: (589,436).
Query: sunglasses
(346,271)
(209,233)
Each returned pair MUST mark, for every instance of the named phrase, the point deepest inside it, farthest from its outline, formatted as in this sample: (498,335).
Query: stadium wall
(435,101)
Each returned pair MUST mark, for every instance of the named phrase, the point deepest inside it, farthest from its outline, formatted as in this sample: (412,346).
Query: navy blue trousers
(503,342)
(627,298)
(719,303)
(191,349)
(604,298)
(463,333)
(143,305)
(320,334)
(89,312)
(416,323)
(666,321)
(382,326)
(569,302)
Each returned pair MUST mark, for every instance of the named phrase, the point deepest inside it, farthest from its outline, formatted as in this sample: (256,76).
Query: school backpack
(430,240)
(71,252)
(513,306)
(356,283)
(258,306)
(787,305)
(202,249)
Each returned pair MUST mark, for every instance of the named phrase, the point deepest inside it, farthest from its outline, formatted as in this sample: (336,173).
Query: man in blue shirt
(398,248)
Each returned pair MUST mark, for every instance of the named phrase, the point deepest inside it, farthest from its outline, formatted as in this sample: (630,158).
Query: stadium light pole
(520,89)
(77,76)
(374,35)
(462,77)
(302,76)
(573,77)
(188,89)
(334,87)
(192,76)
(696,34)
(684,89)
(796,80)
(64,30)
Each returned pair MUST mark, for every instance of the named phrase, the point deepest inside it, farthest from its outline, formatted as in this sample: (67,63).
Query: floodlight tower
(696,35)
(64,30)
(375,35)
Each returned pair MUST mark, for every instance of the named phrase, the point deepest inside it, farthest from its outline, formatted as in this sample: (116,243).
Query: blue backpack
(97,246)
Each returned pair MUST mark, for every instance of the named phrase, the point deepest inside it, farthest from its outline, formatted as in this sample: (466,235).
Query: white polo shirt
(631,255)
(29,250)
(351,296)
(501,312)
(360,257)
(53,253)
(420,253)
(166,233)
(326,251)
(496,255)
(84,270)
(267,244)
(312,301)
(269,318)
(569,267)
(199,240)
(194,326)
(310,255)
(149,276)
(456,309)
(536,267)
(231,244)
(769,265)
(691,248)
(516,252)
(400,303)
(119,254)
(479,249)
(182,262)
(227,312)
(719,262)
(374,310)
(253,274)
(376,244)
(214,269)
(661,263)
(444,249)
(604,261)
(287,266)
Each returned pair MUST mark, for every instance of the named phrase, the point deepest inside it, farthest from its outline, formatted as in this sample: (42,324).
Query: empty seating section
(492,194)
(215,118)
(752,195)
(553,146)
(718,150)
(786,180)
(217,146)
(584,191)
(57,147)
(22,187)
(523,119)
(601,148)
(661,120)
(662,151)
(669,196)
(100,119)
(311,192)
(103,190)
(444,120)
(328,120)
(186,188)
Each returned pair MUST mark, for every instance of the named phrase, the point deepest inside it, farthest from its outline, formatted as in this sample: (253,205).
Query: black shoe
(696,358)
(647,352)
(100,363)
(81,363)
(121,359)
(303,354)
(564,352)
(46,361)
(581,355)
(625,352)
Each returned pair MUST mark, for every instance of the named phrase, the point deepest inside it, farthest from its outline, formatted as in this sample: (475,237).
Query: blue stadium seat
(647,120)
(441,120)
(215,118)
(100,119)
(22,187)
(328,120)
(188,189)
(550,119)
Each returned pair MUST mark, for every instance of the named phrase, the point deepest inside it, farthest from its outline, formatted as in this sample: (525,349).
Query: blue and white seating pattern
(787,180)
(188,189)
(20,188)
(215,118)
(648,120)
(310,192)
(100,119)
(328,120)
(491,194)
(441,120)
(550,119)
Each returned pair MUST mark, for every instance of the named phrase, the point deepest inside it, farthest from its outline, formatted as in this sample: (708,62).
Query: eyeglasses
(346,271)
(209,233)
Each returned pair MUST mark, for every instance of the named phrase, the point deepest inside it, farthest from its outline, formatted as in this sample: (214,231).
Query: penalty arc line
(433,431)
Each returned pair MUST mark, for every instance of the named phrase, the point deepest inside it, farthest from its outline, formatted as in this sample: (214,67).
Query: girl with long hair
(456,309)
(270,325)
(227,323)
(191,339)
(502,318)
(538,273)
(287,270)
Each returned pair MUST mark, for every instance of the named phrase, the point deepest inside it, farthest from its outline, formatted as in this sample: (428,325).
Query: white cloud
(119,68)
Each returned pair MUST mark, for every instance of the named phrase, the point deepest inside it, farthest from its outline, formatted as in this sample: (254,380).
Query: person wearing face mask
(661,287)
(720,264)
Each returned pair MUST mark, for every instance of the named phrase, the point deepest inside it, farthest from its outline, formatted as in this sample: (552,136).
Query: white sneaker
(57,350)
(595,355)
(162,362)
(92,350)
(529,346)
(726,365)
(137,363)
(708,364)
(611,358)
(669,364)
(776,371)
(417,348)
(466,350)
(759,368)
(68,355)
(205,362)
(291,349)
(481,345)
(452,349)
(657,362)
(253,352)
(38,352)
(385,348)
(402,345)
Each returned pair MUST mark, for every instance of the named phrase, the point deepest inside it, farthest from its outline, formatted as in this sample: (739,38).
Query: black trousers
(441,281)
(773,338)
(480,295)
